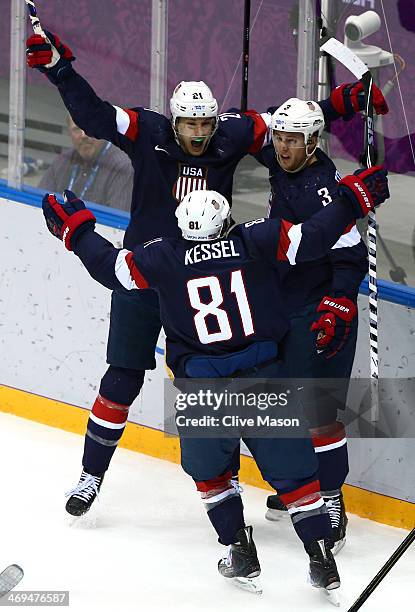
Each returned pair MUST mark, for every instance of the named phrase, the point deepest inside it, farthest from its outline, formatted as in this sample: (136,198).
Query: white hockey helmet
(295,115)
(203,215)
(193,99)
(301,116)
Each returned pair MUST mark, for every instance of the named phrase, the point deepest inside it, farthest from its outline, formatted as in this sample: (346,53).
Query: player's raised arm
(74,224)
(358,195)
(94,116)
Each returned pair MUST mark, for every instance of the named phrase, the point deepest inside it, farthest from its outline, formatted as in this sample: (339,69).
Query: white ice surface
(150,546)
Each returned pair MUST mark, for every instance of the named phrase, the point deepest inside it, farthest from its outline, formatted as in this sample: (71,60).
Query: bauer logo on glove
(365,189)
(333,327)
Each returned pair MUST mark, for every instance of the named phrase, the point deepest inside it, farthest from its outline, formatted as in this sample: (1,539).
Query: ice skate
(276,509)
(323,572)
(338,518)
(242,565)
(83,495)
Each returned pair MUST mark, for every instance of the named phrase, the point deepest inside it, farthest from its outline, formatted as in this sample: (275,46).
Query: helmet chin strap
(303,163)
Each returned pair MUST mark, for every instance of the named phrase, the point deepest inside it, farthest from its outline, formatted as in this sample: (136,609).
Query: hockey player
(196,149)
(233,323)
(321,295)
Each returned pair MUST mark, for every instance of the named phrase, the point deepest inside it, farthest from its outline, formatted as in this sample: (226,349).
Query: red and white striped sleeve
(128,273)
(350,237)
(127,122)
(289,241)
(261,125)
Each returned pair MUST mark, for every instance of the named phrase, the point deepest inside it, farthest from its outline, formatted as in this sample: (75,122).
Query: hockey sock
(307,509)
(330,444)
(108,418)
(224,507)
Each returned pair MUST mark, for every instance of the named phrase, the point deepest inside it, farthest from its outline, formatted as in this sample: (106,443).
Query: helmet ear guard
(203,215)
(299,116)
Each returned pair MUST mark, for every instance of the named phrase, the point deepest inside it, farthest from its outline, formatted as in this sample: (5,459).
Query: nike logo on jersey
(158,148)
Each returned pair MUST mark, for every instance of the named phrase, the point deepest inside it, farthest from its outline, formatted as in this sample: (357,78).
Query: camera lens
(352,32)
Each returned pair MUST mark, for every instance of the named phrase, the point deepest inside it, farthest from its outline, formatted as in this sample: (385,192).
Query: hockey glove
(349,98)
(48,55)
(365,189)
(333,327)
(69,220)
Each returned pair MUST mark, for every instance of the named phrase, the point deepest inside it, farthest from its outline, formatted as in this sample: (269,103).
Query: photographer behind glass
(100,172)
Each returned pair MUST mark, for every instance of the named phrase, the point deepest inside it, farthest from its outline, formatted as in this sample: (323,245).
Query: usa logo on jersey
(190,179)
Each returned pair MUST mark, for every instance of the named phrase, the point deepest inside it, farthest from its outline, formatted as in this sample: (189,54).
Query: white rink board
(54,324)
(54,318)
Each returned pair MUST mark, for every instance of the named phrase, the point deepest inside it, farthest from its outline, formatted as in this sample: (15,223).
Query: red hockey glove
(69,220)
(365,189)
(48,55)
(333,327)
(349,98)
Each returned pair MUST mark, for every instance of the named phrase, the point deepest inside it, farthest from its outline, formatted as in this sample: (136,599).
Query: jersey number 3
(213,309)
(325,195)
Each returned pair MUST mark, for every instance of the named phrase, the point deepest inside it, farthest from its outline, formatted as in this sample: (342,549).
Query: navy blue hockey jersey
(216,297)
(298,196)
(163,172)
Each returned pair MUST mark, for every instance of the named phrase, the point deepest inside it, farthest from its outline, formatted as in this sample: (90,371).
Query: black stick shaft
(369,142)
(385,570)
(245,55)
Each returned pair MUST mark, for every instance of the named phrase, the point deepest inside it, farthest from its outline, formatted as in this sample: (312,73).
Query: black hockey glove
(365,189)
(69,220)
(48,55)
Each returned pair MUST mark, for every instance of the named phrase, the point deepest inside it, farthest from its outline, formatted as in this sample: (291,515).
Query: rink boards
(54,323)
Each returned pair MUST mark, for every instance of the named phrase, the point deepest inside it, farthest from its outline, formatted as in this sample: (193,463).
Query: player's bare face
(290,149)
(88,148)
(194,134)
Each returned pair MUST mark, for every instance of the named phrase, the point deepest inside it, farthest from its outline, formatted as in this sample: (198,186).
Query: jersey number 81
(213,307)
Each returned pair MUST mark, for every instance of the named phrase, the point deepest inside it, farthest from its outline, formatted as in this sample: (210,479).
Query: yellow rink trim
(139,438)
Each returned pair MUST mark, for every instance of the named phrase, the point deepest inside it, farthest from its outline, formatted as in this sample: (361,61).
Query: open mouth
(197,143)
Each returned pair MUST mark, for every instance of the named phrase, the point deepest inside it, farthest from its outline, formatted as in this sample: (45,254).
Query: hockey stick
(382,573)
(37,28)
(245,55)
(346,57)
(9,578)
(369,156)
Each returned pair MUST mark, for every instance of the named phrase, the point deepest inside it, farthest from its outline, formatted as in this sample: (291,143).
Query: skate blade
(252,585)
(332,596)
(9,578)
(338,546)
(276,515)
(89,520)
